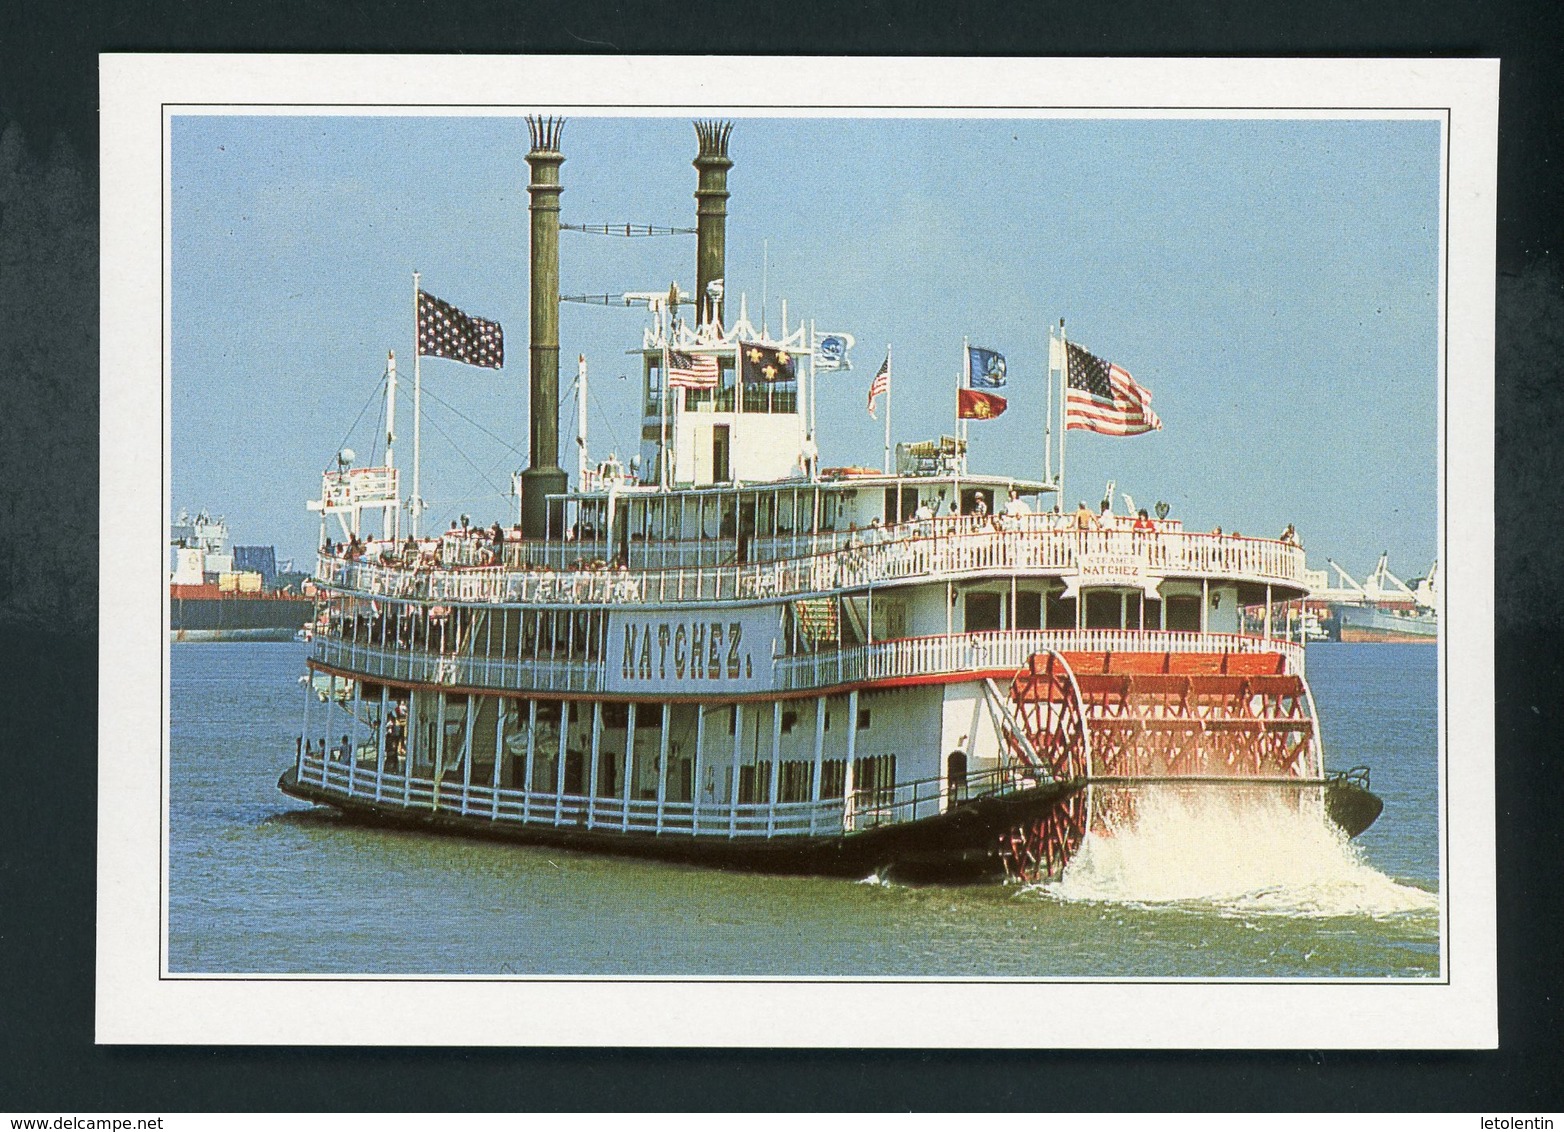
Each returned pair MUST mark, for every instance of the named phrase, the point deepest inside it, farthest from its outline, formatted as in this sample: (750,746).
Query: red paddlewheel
(1048,707)
(1040,849)
(1166,715)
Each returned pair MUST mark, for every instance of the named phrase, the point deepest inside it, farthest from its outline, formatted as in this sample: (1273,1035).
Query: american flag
(691,371)
(445,332)
(880,384)
(1101,397)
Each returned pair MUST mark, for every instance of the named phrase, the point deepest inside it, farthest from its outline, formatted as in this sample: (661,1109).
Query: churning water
(1235,850)
(1198,886)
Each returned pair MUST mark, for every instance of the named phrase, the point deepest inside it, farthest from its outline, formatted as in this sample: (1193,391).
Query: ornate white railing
(936,549)
(360,778)
(580,811)
(901,658)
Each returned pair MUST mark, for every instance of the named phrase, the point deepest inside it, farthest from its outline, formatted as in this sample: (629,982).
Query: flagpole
(1048,419)
(809,410)
(662,408)
(963,375)
(415,503)
(888,381)
(1064,396)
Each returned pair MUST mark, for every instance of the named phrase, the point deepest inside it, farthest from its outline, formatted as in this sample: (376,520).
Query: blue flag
(985,368)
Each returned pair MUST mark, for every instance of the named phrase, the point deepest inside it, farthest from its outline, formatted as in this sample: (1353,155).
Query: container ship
(222,593)
(729,655)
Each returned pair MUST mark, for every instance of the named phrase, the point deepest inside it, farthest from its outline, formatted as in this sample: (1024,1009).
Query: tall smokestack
(544,477)
(711,214)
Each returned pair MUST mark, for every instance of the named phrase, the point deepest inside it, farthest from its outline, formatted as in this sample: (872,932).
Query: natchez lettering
(699,650)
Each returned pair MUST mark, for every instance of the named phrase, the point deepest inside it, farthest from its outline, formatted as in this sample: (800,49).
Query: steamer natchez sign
(729,649)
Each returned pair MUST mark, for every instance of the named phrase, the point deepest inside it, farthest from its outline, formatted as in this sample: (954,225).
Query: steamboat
(728,655)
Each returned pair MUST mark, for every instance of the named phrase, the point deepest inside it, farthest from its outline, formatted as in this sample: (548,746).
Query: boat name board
(670,653)
(1127,570)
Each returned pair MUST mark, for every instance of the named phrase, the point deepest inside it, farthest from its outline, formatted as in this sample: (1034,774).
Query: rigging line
(492,436)
(607,420)
(374,448)
(462,453)
(367,401)
(467,497)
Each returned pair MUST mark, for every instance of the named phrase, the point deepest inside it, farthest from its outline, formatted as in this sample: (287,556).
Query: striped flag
(880,384)
(691,371)
(1101,397)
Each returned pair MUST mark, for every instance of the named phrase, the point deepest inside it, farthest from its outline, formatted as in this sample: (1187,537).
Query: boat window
(1060,610)
(1028,611)
(863,719)
(1183,613)
(1103,609)
(654,384)
(982,613)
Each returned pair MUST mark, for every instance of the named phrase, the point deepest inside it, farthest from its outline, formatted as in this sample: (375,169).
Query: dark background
(49,500)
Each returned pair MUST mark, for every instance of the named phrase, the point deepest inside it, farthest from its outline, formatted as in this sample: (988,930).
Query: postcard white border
(135,1005)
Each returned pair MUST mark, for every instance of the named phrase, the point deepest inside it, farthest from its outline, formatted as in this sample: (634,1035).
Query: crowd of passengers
(468,546)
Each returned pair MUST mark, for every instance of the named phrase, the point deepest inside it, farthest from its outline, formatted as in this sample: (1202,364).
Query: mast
(415,503)
(581,422)
(393,516)
(390,408)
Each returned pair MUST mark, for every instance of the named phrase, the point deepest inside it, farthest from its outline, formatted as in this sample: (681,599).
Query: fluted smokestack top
(713,138)
(711,216)
(546,133)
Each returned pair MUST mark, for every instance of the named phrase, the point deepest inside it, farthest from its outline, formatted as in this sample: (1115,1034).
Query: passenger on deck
(1143,525)
(1290,536)
(1084,519)
(1016,507)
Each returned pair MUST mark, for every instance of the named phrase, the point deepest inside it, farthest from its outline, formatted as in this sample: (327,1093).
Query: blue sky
(1274,283)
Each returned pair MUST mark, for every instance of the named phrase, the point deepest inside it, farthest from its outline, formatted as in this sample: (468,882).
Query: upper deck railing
(454,569)
(899,658)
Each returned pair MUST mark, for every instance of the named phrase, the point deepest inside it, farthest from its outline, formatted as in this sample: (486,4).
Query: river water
(1220,889)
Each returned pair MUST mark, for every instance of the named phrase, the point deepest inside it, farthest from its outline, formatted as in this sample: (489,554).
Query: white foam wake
(1246,851)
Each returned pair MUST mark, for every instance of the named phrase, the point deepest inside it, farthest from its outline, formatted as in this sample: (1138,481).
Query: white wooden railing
(954,548)
(884,660)
(903,802)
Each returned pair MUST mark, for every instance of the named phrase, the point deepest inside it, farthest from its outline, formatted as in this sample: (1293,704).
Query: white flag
(831,351)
